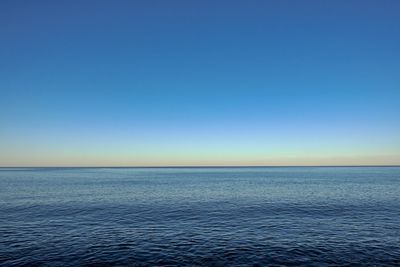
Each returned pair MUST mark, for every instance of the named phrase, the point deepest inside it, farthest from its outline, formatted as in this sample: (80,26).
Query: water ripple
(147,223)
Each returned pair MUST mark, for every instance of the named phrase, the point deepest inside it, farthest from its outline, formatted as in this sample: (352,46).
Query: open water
(285,216)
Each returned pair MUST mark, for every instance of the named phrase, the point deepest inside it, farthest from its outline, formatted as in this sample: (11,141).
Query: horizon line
(201,166)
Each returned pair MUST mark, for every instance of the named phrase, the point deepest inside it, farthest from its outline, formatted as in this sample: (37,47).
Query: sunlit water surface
(200,216)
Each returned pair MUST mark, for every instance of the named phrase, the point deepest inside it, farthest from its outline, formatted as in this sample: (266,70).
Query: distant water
(316,216)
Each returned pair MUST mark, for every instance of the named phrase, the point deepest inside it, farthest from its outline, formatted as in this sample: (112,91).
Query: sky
(187,83)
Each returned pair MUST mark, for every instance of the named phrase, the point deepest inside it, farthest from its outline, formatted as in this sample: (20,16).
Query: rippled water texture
(200,216)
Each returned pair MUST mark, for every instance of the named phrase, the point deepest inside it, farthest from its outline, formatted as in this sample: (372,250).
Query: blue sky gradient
(150,83)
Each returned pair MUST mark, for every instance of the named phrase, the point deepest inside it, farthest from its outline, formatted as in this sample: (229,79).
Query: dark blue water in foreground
(200,216)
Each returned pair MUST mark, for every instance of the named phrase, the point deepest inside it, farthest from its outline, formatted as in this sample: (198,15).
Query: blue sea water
(290,216)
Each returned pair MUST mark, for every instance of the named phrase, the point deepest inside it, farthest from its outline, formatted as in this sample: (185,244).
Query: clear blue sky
(139,83)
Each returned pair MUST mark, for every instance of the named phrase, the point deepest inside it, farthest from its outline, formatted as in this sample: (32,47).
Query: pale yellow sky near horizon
(148,161)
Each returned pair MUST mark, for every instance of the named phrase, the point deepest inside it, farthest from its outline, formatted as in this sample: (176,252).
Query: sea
(247,216)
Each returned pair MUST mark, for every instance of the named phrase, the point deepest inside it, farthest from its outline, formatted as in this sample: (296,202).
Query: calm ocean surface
(319,216)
